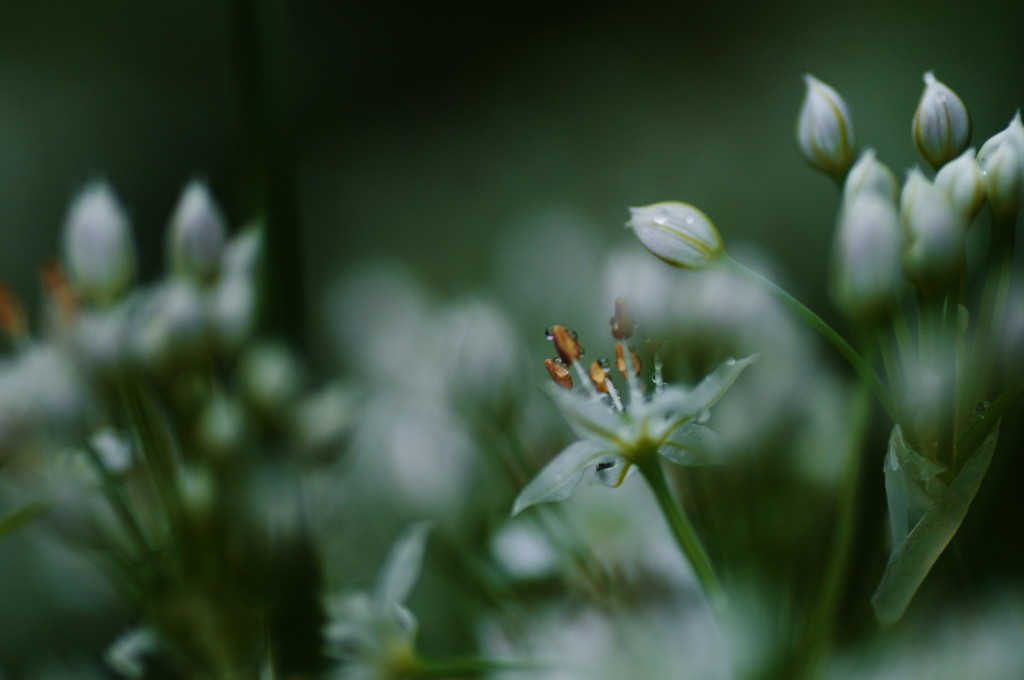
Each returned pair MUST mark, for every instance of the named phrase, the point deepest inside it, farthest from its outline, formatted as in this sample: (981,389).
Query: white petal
(589,419)
(559,478)
(402,567)
(713,386)
(693,444)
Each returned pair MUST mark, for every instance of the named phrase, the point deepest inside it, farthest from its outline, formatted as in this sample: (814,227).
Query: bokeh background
(437,134)
(424,131)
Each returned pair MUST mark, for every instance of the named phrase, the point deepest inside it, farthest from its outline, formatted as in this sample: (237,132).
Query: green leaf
(14,519)
(925,515)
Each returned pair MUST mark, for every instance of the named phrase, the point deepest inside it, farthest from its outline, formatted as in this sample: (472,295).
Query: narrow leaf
(914,556)
(14,519)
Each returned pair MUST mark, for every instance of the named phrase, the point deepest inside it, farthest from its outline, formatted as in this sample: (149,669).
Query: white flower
(613,438)
(372,635)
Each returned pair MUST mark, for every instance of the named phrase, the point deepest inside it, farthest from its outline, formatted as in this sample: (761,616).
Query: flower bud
(98,245)
(942,125)
(677,233)
(196,236)
(962,183)
(869,175)
(934,238)
(1002,163)
(867,255)
(824,129)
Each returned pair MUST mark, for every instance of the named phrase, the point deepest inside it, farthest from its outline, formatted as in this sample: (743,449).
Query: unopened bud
(869,175)
(867,254)
(942,125)
(677,233)
(1002,163)
(98,245)
(963,184)
(935,239)
(824,130)
(196,235)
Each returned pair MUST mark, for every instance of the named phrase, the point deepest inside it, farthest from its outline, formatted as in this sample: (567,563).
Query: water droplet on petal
(703,417)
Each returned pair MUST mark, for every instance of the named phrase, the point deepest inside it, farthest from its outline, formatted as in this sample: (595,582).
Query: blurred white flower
(196,234)
(98,245)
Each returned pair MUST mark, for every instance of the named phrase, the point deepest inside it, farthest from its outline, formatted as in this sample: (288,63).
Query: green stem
(863,369)
(682,530)
(21,516)
(824,614)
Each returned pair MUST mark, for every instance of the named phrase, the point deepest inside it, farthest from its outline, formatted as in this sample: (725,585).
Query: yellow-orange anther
(12,318)
(565,343)
(559,373)
(598,377)
(622,320)
(56,285)
(620,361)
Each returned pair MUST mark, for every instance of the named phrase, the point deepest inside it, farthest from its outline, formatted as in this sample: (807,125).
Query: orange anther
(565,343)
(622,320)
(12,317)
(559,373)
(598,377)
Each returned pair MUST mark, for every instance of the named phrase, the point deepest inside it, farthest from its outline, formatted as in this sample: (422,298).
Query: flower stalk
(682,530)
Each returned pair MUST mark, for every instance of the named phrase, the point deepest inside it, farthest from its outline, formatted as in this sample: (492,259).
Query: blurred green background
(427,132)
(422,131)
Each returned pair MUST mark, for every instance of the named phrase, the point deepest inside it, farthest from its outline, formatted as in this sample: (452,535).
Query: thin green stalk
(994,296)
(863,369)
(21,516)
(824,614)
(682,530)
(115,496)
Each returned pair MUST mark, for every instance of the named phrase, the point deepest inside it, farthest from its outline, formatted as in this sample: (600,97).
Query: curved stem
(682,530)
(863,369)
